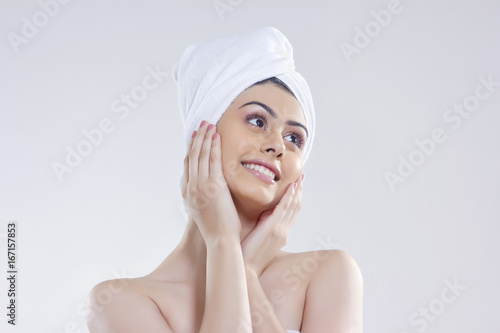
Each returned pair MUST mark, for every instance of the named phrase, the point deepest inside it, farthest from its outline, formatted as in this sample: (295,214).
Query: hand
(204,187)
(271,232)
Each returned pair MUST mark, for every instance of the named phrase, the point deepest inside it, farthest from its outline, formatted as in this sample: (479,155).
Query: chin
(255,195)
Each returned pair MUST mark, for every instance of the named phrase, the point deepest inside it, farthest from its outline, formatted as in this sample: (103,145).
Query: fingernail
(303,177)
(194,133)
(210,127)
(202,123)
(214,136)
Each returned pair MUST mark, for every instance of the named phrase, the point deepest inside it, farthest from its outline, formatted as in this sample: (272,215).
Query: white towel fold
(210,75)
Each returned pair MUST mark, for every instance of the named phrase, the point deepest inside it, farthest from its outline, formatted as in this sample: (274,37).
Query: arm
(261,246)
(334,298)
(267,321)
(212,208)
(226,303)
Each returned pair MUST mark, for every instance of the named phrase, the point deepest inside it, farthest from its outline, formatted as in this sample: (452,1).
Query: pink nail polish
(210,127)
(303,177)
(214,136)
(194,133)
(202,123)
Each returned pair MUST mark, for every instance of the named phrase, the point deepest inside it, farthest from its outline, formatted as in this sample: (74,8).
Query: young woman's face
(250,132)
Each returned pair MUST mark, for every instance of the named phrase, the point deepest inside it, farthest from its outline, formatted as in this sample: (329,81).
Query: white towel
(210,75)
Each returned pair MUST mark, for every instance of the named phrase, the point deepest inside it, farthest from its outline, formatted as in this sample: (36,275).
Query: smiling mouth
(262,170)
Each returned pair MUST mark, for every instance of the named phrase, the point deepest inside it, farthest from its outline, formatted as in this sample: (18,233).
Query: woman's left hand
(271,232)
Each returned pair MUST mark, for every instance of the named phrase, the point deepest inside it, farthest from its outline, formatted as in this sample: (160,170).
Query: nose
(273,144)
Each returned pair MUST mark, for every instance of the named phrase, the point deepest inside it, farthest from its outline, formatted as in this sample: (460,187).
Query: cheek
(235,144)
(294,168)
(230,155)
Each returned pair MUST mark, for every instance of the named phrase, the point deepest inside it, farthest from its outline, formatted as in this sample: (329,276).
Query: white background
(118,212)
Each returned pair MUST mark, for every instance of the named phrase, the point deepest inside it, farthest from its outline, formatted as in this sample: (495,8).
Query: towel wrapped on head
(210,75)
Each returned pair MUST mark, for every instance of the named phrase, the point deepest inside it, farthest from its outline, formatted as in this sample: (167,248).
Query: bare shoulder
(335,294)
(337,266)
(339,263)
(300,269)
(320,262)
(121,305)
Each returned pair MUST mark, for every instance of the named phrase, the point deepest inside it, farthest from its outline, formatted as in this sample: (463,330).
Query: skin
(228,273)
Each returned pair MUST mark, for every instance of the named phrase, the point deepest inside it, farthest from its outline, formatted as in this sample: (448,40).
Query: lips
(274,169)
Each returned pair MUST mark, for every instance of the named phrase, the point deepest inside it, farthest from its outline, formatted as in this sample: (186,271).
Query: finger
(216,157)
(294,209)
(194,154)
(185,177)
(291,219)
(203,169)
(284,204)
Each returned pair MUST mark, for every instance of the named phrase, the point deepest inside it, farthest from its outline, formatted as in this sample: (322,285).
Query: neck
(188,260)
(249,217)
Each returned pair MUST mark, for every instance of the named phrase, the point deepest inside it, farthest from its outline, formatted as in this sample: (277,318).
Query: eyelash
(300,137)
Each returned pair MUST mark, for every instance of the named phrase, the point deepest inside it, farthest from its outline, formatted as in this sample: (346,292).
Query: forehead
(281,101)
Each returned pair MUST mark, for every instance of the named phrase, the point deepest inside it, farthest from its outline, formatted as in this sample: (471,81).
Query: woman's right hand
(204,187)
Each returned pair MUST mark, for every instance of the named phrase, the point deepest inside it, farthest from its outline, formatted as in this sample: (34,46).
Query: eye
(260,121)
(296,138)
(256,120)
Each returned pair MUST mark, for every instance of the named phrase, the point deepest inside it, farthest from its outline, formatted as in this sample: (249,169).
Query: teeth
(260,169)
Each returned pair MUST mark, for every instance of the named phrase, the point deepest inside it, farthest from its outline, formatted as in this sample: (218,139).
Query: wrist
(223,241)
(251,272)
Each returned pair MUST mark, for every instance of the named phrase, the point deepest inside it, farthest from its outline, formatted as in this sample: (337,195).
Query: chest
(183,306)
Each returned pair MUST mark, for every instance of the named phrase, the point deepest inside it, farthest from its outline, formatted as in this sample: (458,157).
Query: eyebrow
(273,114)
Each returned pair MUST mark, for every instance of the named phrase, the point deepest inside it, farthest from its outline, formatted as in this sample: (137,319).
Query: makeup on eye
(253,116)
(263,119)
(273,114)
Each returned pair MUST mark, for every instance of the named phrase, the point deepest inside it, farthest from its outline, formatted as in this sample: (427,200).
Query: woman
(242,187)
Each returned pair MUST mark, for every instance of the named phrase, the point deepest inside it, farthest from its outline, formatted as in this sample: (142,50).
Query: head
(248,131)
(217,81)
